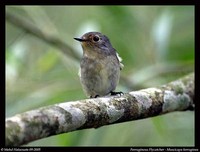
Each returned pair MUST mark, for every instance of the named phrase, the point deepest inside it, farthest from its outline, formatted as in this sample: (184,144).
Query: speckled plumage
(100,66)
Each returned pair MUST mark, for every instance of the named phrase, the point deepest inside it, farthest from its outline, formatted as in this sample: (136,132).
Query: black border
(136,2)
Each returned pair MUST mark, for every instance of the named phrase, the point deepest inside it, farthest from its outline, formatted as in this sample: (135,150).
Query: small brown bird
(100,65)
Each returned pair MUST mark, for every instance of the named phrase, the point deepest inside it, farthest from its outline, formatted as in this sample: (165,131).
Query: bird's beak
(80,40)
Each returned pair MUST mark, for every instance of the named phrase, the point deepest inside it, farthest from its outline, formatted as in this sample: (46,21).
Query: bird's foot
(96,96)
(116,93)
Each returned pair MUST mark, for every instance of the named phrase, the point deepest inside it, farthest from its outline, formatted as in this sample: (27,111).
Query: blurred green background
(155,42)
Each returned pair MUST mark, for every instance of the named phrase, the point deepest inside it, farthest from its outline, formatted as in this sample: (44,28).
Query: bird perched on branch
(100,65)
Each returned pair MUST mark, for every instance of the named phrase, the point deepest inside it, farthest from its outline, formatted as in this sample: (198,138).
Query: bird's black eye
(96,38)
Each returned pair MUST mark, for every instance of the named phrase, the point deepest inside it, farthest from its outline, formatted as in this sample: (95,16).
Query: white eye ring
(96,38)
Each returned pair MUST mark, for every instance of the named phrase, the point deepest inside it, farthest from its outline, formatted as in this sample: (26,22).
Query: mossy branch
(93,113)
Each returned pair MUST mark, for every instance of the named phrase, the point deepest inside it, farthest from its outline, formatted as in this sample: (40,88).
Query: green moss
(179,88)
(13,131)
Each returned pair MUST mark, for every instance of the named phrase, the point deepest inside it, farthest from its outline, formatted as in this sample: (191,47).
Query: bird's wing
(120,60)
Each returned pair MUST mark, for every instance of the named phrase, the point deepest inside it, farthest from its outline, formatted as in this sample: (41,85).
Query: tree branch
(93,113)
(51,39)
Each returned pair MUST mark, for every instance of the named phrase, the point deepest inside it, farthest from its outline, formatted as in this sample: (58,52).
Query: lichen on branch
(93,113)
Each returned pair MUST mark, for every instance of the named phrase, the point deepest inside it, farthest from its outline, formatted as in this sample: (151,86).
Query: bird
(100,65)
